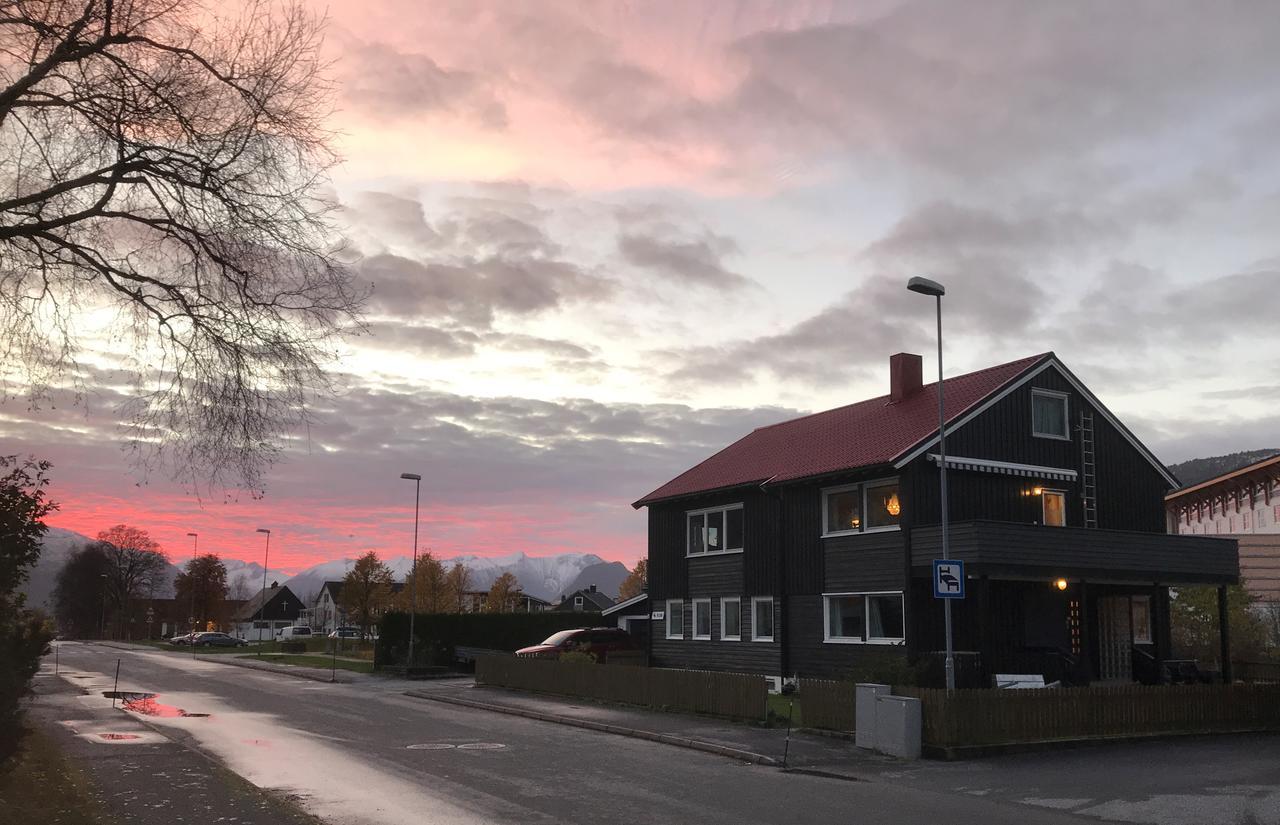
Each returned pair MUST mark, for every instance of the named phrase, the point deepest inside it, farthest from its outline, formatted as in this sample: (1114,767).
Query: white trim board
(955,462)
(1051,361)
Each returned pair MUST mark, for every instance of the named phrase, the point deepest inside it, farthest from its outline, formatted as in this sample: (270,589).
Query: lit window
(702,618)
(716,530)
(1055,508)
(1049,414)
(675,619)
(731,619)
(762,619)
(1141,611)
(859,508)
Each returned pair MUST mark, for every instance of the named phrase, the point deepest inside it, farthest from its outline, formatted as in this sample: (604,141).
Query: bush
(578,657)
(436,635)
(24,638)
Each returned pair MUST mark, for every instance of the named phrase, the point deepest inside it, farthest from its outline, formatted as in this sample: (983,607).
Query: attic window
(1049,414)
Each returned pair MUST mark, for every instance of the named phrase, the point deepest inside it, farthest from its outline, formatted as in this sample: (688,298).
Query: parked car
(598,641)
(212,639)
(345,633)
(295,633)
(184,639)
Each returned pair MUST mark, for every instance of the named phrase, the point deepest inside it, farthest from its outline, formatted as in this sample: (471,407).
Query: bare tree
(168,164)
(135,566)
(240,590)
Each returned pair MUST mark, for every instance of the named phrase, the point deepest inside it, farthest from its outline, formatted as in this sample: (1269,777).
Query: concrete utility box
(898,721)
(864,713)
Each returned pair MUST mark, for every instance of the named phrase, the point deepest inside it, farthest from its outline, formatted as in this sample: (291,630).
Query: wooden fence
(827,704)
(1256,671)
(996,717)
(736,695)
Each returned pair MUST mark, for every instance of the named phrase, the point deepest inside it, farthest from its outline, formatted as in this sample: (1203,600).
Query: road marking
(431,746)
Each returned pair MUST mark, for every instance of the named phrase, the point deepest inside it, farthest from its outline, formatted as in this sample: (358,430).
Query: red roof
(864,434)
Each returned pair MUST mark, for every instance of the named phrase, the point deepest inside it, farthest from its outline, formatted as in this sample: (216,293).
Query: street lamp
(262,608)
(413,573)
(924,286)
(191,583)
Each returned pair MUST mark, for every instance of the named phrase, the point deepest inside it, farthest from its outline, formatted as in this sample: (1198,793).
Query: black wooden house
(806,547)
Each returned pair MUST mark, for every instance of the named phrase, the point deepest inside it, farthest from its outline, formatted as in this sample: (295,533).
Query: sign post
(948,584)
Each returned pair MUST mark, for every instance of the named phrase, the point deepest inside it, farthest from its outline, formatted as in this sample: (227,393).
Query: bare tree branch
(170,165)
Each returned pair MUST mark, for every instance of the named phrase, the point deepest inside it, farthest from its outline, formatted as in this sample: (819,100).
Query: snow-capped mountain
(547,577)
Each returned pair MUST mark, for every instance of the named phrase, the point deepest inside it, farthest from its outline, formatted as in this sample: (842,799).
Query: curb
(602,727)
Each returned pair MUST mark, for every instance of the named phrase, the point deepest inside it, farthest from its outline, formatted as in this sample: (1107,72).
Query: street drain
(118,737)
(481,746)
(431,746)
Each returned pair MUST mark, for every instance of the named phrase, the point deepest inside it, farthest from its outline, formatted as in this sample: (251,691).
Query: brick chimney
(906,376)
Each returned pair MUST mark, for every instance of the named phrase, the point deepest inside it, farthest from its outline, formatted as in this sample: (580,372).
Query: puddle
(146,704)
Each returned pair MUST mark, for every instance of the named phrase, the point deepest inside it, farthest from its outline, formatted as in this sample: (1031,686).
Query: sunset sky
(606,239)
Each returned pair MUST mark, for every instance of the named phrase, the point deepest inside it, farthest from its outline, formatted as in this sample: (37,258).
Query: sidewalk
(139,775)
(808,753)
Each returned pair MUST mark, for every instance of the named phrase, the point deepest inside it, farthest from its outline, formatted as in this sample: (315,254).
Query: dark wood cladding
(1000,548)
(872,561)
(1130,490)
(717,653)
(812,657)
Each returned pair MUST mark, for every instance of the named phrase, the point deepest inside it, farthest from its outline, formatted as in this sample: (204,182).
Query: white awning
(984,465)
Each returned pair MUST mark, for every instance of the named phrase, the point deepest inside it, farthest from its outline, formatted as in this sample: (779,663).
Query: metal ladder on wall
(1088,470)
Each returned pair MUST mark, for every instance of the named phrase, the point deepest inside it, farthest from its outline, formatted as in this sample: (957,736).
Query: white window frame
(675,607)
(710,621)
(773,611)
(736,601)
(827,638)
(724,508)
(1044,518)
(863,487)
(1066,413)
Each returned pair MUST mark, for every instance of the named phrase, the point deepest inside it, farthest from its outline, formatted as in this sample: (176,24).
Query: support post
(1224,634)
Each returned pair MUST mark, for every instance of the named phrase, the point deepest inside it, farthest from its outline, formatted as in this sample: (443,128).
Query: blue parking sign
(948,579)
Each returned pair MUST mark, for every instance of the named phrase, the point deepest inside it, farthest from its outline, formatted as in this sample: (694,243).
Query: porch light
(1037,491)
(893,505)
(1061,584)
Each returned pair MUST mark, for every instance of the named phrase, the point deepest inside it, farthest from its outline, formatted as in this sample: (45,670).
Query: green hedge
(436,635)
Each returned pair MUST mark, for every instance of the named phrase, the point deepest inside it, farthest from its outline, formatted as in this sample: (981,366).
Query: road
(346,752)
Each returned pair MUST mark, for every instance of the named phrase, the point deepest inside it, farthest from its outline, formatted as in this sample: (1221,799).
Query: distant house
(1243,504)
(477,601)
(588,600)
(328,613)
(267,612)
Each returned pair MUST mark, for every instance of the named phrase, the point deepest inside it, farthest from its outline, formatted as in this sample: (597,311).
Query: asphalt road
(347,753)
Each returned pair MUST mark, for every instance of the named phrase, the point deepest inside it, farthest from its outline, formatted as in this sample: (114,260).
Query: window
(1141,607)
(864,618)
(860,508)
(1049,414)
(675,619)
(717,530)
(1054,505)
(702,618)
(730,619)
(762,619)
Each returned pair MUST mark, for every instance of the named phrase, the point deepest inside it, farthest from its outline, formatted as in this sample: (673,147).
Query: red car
(598,641)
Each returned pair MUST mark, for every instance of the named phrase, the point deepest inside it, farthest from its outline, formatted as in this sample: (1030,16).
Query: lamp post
(191,582)
(262,608)
(102,616)
(924,286)
(413,571)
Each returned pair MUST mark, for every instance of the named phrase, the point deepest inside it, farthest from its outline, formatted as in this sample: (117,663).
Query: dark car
(598,641)
(218,640)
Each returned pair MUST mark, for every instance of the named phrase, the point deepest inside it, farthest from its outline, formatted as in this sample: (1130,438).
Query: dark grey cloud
(689,260)
(458,342)
(394,217)
(389,83)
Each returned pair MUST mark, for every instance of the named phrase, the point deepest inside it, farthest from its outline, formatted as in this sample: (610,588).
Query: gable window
(715,530)
(702,618)
(762,619)
(861,508)
(864,618)
(1054,506)
(1049,414)
(675,619)
(731,619)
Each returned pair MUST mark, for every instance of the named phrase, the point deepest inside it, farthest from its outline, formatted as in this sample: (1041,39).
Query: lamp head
(411,476)
(264,530)
(926,287)
(193,535)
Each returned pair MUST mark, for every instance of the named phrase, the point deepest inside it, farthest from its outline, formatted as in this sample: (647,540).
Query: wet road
(364,753)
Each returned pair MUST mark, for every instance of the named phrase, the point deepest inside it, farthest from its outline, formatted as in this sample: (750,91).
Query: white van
(293,633)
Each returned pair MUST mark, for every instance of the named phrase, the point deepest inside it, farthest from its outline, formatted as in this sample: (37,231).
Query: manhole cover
(481,746)
(118,737)
(432,746)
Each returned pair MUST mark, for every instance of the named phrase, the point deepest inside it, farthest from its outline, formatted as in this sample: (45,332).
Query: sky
(605,240)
